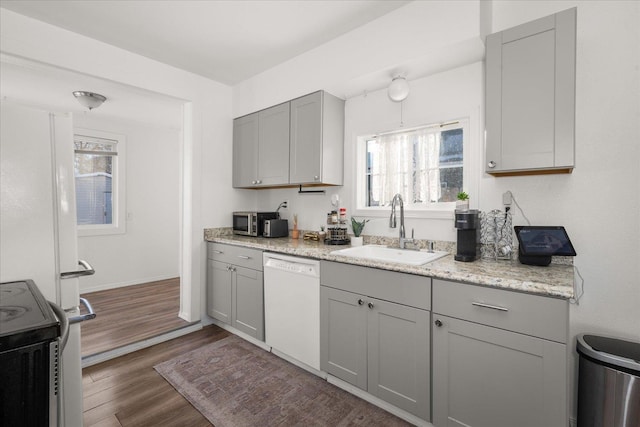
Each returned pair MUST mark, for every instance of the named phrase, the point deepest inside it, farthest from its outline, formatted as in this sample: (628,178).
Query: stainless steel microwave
(251,223)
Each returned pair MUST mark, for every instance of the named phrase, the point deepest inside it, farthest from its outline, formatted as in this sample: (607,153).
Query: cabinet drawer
(401,288)
(236,255)
(528,314)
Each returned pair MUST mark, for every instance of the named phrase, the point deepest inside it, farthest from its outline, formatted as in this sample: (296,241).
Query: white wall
(207,124)
(149,249)
(598,203)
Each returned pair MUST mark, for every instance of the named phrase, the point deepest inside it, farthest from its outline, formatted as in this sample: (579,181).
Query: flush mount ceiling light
(398,89)
(89,100)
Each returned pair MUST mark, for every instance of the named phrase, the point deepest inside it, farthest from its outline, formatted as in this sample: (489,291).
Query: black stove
(28,355)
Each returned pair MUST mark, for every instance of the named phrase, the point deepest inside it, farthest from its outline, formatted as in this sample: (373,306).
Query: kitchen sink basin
(387,254)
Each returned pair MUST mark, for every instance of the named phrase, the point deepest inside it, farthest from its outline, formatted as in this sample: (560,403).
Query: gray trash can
(608,382)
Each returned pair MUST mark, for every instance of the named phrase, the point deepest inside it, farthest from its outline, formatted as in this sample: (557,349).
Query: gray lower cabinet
(235,289)
(501,361)
(530,96)
(377,345)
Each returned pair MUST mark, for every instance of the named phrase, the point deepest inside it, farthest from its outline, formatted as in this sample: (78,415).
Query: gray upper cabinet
(299,142)
(245,150)
(530,97)
(317,140)
(261,148)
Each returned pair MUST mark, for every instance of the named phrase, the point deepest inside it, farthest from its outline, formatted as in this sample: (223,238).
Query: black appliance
(29,355)
(276,228)
(468,227)
(251,223)
(537,244)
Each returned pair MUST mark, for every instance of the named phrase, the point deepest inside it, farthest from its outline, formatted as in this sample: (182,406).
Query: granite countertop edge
(551,281)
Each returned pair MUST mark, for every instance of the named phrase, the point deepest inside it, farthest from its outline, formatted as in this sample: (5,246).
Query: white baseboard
(400,413)
(121,351)
(108,286)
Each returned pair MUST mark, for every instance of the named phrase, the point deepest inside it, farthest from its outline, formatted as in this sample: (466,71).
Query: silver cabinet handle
(315,178)
(86,271)
(244,257)
(492,164)
(82,317)
(492,307)
(215,251)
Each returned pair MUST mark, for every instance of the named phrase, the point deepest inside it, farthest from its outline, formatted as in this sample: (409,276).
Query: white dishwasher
(292,307)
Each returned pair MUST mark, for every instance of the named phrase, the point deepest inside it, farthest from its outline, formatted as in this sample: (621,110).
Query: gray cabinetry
(261,148)
(530,96)
(235,291)
(499,358)
(317,139)
(378,345)
(294,143)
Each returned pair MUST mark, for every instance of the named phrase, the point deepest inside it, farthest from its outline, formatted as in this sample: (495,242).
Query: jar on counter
(343,215)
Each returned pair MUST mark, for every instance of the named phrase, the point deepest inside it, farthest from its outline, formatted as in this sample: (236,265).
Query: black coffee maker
(468,225)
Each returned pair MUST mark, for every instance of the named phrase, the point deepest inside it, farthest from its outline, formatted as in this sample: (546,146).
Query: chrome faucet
(392,221)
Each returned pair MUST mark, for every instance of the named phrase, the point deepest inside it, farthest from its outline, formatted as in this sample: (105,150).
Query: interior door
(38,223)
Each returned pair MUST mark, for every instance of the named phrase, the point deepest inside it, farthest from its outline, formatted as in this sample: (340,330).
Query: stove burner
(9,313)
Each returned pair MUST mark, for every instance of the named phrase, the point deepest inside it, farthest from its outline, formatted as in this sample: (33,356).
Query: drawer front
(533,315)
(401,288)
(236,255)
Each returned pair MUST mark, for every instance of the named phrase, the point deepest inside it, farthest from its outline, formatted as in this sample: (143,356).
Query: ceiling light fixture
(398,89)
(89,100)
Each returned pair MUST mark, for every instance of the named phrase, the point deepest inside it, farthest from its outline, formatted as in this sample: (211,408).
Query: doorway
(49,88)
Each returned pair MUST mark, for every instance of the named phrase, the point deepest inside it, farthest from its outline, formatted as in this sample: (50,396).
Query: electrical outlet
(507,198)
(285,204)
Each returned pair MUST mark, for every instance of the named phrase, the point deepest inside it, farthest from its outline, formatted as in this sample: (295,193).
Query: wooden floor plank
(130,314)
(128,390)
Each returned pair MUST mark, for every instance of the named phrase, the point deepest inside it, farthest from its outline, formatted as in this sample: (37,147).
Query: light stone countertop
(555,280)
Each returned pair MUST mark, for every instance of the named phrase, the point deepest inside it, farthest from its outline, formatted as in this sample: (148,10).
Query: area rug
(235,383)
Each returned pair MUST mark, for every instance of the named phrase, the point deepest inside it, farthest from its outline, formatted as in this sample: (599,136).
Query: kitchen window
(426,165)
(99,182)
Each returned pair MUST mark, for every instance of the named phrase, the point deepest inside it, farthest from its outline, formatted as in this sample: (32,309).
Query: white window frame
(444,210)
(118,185)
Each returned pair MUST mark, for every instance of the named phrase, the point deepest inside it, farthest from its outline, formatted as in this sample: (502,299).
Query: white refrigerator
(38,238)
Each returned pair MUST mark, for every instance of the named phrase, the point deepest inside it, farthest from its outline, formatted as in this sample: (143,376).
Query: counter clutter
(553,281)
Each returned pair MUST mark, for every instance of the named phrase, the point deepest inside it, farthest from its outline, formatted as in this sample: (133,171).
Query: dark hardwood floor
(127,391)
(132,313)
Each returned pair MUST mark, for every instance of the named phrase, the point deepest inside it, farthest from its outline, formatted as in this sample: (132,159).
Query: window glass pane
(94,177)
(423,165)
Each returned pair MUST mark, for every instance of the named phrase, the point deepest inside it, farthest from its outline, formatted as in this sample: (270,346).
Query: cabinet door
(398,350)
(219,291)
(530,95)
(245,150)
(273,147)
(343,336)
(306,139)
(489,377)
(248,302)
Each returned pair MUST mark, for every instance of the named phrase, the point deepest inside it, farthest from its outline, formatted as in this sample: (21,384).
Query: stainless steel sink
(387,254)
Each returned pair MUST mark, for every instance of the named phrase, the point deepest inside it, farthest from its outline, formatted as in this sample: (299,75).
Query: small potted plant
(462,204)
(357,227)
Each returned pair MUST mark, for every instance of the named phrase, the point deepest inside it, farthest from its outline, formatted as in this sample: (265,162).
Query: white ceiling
(227,41)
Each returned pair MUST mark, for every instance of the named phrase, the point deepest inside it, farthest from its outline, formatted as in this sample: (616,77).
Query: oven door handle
(64,324)
(82,317)
(86,271)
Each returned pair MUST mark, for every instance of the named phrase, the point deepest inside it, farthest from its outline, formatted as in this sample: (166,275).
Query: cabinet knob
(438,323)
(360,302)
(370,305)
(491,164)
(254,182)
(259,181)
(316,177)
